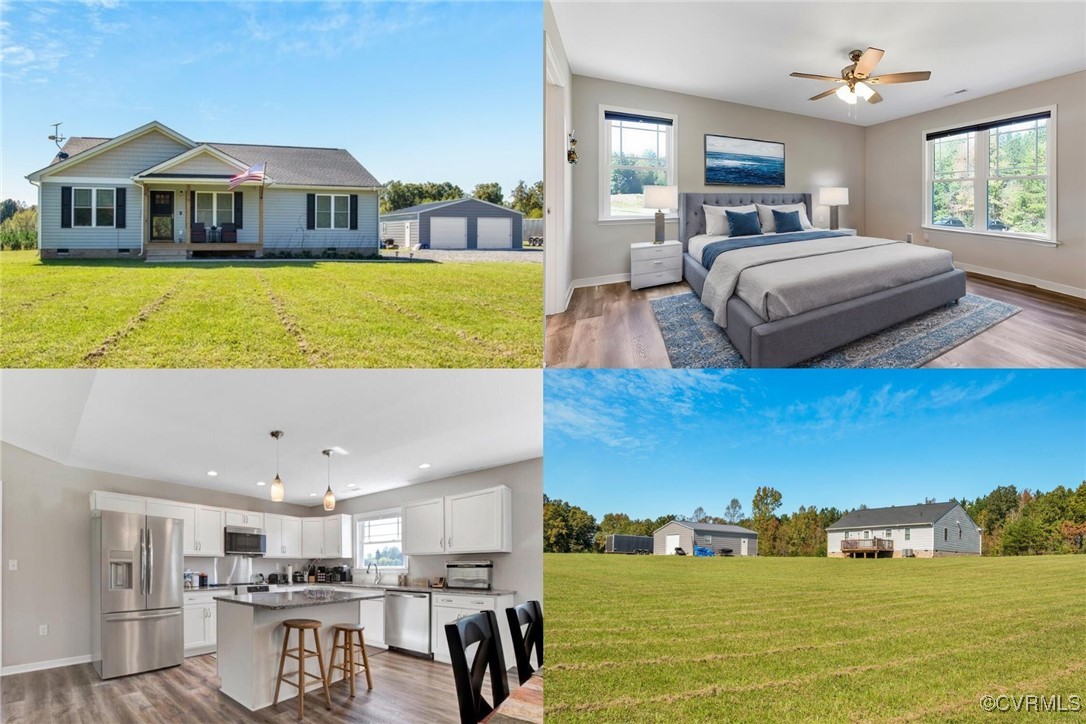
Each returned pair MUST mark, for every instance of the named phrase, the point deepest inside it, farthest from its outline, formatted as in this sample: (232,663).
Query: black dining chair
(482,629)
(530,613)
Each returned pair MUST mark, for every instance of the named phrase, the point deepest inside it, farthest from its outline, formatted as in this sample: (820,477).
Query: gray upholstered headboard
(692,217)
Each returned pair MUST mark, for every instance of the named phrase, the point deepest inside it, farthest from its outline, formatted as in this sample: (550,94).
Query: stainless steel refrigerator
(137,579)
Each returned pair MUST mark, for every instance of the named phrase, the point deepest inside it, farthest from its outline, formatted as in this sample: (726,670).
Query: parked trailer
(629,544)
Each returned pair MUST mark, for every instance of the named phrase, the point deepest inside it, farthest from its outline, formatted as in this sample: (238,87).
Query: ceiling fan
(857,79)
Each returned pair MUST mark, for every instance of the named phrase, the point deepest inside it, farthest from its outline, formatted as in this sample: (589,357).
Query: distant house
(457,224)
(153,192)
(721,539)
(923,531)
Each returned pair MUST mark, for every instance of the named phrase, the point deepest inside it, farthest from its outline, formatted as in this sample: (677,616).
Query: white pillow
(716,221)
(765,215)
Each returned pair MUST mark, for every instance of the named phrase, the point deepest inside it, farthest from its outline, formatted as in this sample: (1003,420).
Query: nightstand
(653,264)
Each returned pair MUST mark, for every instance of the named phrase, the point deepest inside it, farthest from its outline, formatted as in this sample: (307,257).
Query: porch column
(260,216)
(145,214)
(186,205)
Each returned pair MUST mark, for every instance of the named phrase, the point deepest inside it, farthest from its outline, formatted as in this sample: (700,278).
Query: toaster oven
(469,574)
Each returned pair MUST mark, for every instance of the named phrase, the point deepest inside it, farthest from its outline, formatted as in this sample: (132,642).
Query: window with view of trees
(993,177)
(379,539)
(638,151)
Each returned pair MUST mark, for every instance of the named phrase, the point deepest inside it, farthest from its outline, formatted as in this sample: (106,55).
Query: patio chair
(229,234)
(199,233)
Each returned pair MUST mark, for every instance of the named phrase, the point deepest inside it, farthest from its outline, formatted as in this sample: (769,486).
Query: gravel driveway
(527,256)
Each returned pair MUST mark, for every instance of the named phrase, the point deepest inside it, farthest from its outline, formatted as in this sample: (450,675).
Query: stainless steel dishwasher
(407,622)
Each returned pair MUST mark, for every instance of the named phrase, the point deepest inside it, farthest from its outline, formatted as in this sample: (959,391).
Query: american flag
(255,173)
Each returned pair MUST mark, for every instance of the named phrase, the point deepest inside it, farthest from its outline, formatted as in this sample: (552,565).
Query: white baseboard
(1023,279)
(597,281)
(41,665)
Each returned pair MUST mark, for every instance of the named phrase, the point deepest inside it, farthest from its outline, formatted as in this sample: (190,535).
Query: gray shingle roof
(423,207)
(291,165)
(921,514)
(716,528)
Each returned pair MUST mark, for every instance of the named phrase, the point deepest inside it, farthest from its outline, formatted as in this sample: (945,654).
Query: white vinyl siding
(89,237)
(204,164)
(333,211)
(919,538)
(284,221)
(128,159)
(961,533)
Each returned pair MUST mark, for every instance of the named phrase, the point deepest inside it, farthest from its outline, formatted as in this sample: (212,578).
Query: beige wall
(46,527)
(817,153)
(895,193)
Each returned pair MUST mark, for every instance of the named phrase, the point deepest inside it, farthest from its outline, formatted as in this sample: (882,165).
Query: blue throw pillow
(786,221)
(743,224)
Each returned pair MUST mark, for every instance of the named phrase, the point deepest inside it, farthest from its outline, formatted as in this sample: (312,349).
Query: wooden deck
(185,250)
(867,547)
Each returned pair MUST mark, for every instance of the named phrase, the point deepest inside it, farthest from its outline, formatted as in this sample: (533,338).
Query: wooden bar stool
(301,625)
(348,646)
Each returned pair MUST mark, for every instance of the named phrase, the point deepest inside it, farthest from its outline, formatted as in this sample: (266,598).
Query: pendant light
(277,490)
(329,496)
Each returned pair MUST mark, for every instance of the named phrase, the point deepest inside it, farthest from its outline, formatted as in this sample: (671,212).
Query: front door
(743,547)
(162,216)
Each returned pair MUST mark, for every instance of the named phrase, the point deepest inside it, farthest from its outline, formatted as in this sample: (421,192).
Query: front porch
(199,220)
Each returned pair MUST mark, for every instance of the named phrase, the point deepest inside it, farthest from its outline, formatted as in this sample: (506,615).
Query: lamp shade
(833,196)
(661,197)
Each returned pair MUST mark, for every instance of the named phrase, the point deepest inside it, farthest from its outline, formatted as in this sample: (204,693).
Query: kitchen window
(214,209)
(379,539)
(93,207)
(995,177)
(637,149)
(333,211)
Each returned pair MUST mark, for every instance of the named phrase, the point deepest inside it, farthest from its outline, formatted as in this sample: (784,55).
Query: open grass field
(269,314)
(665,639)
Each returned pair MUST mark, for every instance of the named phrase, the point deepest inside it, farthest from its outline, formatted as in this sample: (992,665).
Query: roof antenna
(57,138)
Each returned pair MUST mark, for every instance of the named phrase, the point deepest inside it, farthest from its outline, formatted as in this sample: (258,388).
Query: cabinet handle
(450,541)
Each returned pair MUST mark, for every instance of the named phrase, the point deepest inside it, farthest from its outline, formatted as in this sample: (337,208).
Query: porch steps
(166,254)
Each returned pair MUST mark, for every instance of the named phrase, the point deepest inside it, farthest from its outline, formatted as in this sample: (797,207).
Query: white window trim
(603,207)
(980,175)
(94,207)
(215,206)
(332,212)
(371,515)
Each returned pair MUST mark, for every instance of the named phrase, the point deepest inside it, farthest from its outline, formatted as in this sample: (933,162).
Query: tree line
(18,225)
(1012,523)
(527,199)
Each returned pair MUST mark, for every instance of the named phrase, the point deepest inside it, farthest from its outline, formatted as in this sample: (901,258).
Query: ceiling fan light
(863,90)
(846,94)
(329,500)
(277,490)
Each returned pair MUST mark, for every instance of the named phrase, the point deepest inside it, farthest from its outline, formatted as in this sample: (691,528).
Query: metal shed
(720,539)
(458,224)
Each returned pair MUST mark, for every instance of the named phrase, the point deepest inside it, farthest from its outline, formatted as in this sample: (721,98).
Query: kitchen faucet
(376,570)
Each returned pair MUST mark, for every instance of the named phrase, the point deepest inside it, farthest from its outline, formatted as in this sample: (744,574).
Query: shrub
(20,231)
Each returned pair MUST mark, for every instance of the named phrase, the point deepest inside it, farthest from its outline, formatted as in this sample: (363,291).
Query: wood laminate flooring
(405,689)
(612,326)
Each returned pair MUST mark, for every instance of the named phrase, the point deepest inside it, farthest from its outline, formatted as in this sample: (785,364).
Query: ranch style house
(927,530)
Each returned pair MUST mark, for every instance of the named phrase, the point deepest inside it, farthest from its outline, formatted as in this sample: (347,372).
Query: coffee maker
(340,574)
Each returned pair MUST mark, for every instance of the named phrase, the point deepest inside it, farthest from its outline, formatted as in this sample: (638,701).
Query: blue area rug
(694,340)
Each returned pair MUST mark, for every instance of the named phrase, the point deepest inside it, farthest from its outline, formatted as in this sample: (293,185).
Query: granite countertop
(406,589)
(296,599)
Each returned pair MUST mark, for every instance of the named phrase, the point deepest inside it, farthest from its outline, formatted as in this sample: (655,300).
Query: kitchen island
(250,638)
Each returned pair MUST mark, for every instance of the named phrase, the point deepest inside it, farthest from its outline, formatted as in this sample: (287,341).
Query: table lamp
(660,198)
(833,196)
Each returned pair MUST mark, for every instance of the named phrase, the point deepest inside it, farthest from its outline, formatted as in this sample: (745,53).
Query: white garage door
(672,542)
(496,233)
(448,232)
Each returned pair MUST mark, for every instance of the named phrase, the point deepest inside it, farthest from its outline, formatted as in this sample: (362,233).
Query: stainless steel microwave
(244,541)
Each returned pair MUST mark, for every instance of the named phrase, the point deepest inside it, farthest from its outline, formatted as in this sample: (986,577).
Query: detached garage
(723,540)
(461,224)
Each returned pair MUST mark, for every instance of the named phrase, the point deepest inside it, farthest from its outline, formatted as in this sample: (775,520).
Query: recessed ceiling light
(212,473)
(261,483)
(424,466)
(312,495)
(351,485)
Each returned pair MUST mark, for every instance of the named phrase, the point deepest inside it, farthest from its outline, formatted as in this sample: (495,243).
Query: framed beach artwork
(735,161)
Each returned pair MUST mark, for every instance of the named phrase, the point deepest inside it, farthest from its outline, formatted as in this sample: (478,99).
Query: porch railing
(867,544)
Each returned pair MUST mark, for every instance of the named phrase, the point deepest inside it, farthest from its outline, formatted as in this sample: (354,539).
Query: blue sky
(650,443)
(417,92)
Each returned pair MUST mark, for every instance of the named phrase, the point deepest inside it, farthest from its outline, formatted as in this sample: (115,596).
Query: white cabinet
(479,522)
(199,616)
(209,525)
(451,607)
(372,616)
(328,537)
(117,502)
(187,513)
(284,536)
(312,537)
(292,537)
(244,519)
(424,527)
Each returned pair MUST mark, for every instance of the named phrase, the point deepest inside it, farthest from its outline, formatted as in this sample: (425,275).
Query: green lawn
(269,314)
(666,639)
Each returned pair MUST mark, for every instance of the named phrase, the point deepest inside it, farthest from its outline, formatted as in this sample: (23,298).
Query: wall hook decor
(571,154)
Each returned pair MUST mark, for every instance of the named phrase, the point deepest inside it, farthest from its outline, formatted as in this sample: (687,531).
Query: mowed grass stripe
(958,610)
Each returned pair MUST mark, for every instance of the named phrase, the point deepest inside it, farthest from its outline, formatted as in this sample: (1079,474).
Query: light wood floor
(405,690)
(611,326)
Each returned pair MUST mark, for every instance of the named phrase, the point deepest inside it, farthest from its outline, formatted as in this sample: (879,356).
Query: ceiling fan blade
(901,77)
(875,98)
(813,76)
(823,94)
(867,62)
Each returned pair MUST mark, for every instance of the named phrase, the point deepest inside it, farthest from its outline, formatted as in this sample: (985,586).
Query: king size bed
(785,297)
